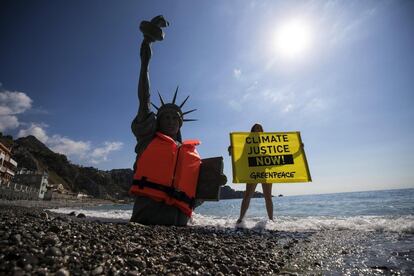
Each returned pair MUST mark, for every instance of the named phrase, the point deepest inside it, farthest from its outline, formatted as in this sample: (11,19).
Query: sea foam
(118,214)
(402,224)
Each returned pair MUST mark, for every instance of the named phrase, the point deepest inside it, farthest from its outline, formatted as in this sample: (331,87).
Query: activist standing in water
(251,187)
(164,182)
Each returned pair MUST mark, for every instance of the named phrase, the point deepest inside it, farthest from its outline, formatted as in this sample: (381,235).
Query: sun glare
(292,39)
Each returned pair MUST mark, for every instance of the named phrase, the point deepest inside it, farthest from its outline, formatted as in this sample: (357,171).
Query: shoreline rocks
(64,245)
(39,242)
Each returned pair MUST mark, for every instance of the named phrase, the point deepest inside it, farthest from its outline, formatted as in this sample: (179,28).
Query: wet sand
(33,241)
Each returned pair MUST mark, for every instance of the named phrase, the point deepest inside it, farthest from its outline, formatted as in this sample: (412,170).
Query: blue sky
(69,73)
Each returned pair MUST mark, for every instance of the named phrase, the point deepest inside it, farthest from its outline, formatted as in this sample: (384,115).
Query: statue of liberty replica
(167,169)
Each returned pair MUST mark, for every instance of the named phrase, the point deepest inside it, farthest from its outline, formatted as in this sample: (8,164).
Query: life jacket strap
(170,191)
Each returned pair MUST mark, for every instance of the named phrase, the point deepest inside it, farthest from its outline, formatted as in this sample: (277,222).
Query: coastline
(51,204)
(46,243)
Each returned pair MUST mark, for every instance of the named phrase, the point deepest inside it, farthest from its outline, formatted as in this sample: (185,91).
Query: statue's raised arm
(152,32)
(144,125)
(168,172)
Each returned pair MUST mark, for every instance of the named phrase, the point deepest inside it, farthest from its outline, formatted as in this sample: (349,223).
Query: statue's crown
(172,106)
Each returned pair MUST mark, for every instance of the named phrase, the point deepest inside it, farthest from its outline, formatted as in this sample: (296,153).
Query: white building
(36,180)
(8,166)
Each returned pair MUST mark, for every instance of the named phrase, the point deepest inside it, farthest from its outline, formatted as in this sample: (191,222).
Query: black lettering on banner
(277,138)
(270,160)
(272,175)
(272,149)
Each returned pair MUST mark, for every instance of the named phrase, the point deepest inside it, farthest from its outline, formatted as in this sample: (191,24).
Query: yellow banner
(268,157)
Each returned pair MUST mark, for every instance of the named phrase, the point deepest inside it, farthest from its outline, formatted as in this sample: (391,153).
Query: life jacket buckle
(142,182)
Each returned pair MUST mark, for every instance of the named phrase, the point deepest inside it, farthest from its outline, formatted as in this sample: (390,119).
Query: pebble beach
(38,242)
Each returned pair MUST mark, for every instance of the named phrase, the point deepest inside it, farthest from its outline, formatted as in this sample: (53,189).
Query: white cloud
(68,146)
(8,122)
(289,99)
(101,154)
(253,86)
(37,130)
(12,103)
(81,150)
(256,95)
(236,105)
(237,73)
(283,96)
(247,95)
(288,108)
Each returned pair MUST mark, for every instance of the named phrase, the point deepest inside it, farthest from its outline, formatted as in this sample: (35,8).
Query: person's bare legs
(267,192)
(250,188)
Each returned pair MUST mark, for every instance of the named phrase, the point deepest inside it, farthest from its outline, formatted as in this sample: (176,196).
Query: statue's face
(169,123)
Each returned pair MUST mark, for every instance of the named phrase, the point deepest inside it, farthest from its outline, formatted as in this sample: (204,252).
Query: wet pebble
(50,239)
(62,272)
(27,259)
(53,251)
(97,271)
(137,262)
(44,216)
(67,245)
(16,238)
(54,229)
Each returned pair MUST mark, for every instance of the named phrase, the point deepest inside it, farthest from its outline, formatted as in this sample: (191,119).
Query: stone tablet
(210,179)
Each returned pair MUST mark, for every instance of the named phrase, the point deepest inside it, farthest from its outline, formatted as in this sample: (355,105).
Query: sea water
(388,214)
(390,210)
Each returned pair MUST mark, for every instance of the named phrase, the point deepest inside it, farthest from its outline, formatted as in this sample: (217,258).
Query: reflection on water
(370,233)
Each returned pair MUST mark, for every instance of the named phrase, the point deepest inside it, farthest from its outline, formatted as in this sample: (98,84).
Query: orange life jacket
(168,172)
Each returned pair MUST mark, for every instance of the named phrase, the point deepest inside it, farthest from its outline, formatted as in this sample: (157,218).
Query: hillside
(33,155)
(227,192)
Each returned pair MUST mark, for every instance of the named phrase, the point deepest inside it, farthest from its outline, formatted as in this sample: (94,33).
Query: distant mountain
(32,154)
(227,192)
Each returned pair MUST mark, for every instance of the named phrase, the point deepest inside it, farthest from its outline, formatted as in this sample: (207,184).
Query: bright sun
(293,38)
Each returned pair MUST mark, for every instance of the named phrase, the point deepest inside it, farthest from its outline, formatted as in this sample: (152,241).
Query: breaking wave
(402,224)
